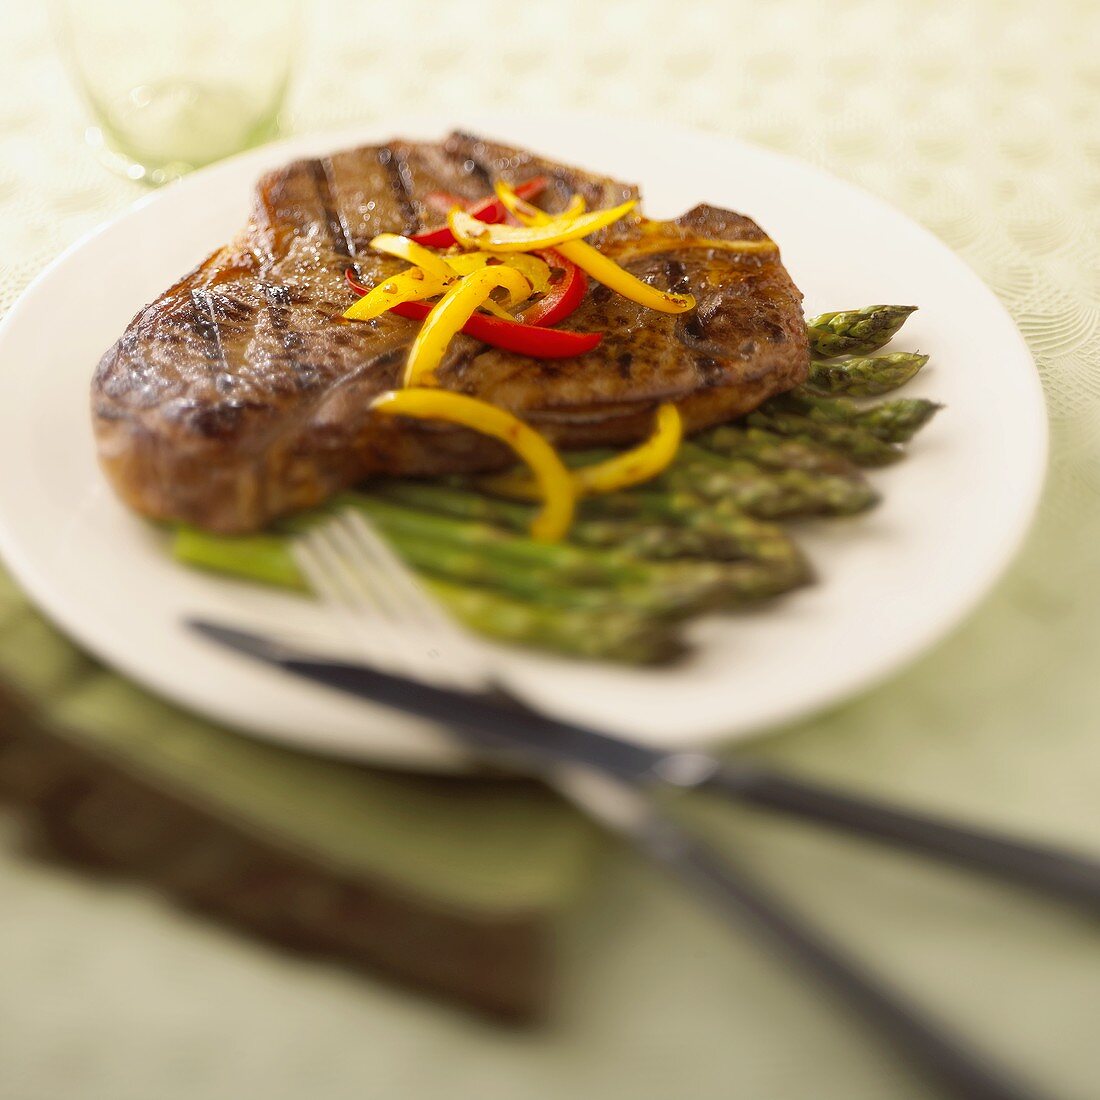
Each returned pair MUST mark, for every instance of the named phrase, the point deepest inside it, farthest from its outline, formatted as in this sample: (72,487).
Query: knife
(494,722)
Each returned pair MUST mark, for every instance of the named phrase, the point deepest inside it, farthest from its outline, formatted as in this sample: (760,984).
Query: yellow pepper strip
(435,266)
(526,211)
(534,270)
(405,249)
(633,467)
(497,311)
(441,267)
(413,285)
(640,463)
(593,262)
(452,311)
(555,486)
(469,231)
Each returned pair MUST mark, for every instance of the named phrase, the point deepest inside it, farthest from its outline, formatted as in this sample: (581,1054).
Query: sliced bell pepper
(522,339)
(405,248)
(595,263)
(407,286)
(555,486)
(604,270)
(639,464)
(533,340)
(489,209)
(633,467)
(565,293)
(535,270)
(452,311)
(443,202)
(439,267)
(538,234)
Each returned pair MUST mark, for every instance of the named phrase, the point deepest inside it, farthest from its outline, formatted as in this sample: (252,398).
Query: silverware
(411,648)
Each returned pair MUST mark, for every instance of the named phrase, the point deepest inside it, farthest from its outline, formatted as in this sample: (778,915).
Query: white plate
(891,582)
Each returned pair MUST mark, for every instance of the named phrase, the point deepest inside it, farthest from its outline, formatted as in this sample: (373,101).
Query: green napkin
(449,883)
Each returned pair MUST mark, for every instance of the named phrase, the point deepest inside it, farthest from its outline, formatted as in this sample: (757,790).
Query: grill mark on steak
(401,185)
(240,394)
(471,165)
(206,325)
(278,304)
(512,165)
(342,242)
(496,161)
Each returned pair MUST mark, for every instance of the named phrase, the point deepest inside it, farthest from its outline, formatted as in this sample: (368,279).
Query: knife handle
(1053,870)
(961,1073)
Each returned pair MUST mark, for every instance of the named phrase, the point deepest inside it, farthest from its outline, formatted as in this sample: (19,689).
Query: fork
(435,664)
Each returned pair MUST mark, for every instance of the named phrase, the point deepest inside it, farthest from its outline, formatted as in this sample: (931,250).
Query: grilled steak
(240,394)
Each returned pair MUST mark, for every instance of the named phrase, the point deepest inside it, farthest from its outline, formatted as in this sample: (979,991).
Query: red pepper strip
(564,295)
(533,340)
(490,210)
(443,202)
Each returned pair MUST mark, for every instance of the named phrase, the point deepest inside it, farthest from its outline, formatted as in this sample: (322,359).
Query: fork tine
(332,580)
(344,547)
(386,611)
(436,634)
(403,646)
(392,574)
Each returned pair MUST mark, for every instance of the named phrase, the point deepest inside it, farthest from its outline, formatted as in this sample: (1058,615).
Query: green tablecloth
(982,119)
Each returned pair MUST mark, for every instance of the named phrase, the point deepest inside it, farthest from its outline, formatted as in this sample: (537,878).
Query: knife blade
(482,719)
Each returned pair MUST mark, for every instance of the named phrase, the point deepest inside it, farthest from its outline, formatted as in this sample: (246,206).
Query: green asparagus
(653,538)
(772,451)
(611,633)
(860,445)
(855,331)
(866,377)
(766,494)
(895,421)
(567,575)
(263,558)
(748,538)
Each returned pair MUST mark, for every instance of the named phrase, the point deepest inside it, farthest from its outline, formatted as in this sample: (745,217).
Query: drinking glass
(175,84)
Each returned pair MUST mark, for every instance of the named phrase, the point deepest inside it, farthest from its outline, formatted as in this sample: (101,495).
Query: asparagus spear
(571,565)
(750,538)
(866,377)
(772,451)
(855,331)
(263,558)
(654,537)
(823,482)
(573,576)
(899,420)
(658,595)
(612,633)
(765,494)
(859,444)
(895,421)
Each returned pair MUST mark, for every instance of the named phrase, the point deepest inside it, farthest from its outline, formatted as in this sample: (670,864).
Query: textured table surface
(982,120)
